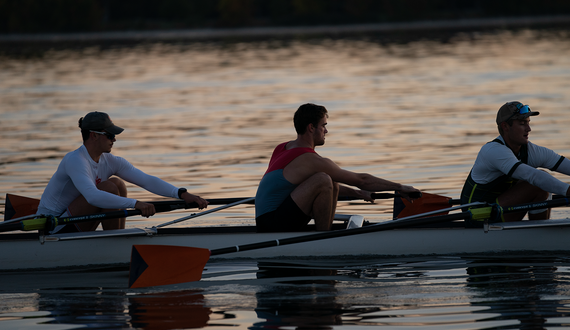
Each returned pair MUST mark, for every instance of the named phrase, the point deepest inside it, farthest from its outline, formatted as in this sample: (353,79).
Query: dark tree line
(34,16)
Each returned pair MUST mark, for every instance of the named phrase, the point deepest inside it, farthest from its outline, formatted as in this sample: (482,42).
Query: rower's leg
(119,189)
(80,206)
(314,197)
(334,200)
(521,193)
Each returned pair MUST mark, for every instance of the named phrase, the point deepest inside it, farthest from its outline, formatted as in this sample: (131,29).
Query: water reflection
(84,307)
(308,300)
(444,292)
(518,288)
(169,310)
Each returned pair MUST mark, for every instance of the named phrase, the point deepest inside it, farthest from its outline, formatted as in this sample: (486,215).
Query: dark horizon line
(280,31)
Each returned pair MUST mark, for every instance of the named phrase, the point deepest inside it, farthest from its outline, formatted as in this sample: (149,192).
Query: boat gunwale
(245,229)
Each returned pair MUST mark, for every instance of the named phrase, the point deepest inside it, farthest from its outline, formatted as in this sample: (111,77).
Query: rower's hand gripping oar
(153,265)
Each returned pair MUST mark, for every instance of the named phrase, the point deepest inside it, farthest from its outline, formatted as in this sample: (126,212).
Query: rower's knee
(324,181)
(539,194)
(114,186)
(542,195)
(120,185)
(335,186)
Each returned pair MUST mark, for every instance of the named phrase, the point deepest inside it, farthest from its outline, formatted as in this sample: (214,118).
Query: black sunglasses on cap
(107,134)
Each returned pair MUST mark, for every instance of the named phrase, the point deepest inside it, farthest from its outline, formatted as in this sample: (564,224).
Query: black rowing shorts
(287,217)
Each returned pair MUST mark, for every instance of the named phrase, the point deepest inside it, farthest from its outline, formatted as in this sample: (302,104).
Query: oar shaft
(243,201)
(342,233)
(457,201)
(48,223)
(161,271)
(169,205)
(479,213)
(557,201)
(380,196)
(419,219)
(223,201)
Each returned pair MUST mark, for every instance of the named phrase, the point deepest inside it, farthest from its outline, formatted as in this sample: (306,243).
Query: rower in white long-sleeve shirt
(90,180)
(506,171)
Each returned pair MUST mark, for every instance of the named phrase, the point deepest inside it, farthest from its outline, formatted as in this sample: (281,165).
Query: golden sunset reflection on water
(207,115)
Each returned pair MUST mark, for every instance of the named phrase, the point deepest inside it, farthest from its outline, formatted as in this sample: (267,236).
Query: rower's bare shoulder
(319,163)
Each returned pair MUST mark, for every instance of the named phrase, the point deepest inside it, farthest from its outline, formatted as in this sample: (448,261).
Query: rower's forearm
(349,192)
(372,183)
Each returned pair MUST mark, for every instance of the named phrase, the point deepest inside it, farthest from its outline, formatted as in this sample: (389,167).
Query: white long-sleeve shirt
(495,160)
(78,174)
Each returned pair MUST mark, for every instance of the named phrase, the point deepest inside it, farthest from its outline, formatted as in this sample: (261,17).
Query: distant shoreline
(258,32)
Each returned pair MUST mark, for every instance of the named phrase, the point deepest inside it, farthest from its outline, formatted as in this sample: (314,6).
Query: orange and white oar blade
(427,203)
(19,206)
(153,265)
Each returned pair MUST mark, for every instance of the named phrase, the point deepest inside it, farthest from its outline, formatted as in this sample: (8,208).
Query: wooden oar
(20,206)
(153,265)
(382,196)
(50,222)
(429,202)
(252,200)
(161,206)
(192,216)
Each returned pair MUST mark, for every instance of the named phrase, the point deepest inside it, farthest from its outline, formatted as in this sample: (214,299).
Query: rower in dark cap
(506,169)
(90,180)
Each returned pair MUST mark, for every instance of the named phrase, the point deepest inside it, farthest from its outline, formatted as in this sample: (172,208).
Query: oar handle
(50,222)
(169,205)
(390,195)
(413,195)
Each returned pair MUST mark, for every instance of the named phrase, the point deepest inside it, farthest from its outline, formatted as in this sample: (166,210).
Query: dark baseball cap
(98,121)
(514,110)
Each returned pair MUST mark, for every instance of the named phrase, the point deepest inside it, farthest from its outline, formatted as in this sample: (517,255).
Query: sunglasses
(107,134)
(521,110)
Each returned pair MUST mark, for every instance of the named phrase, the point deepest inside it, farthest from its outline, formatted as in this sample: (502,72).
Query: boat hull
(25,252)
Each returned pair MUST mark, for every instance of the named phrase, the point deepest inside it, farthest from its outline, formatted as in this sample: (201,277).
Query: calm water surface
(207,116)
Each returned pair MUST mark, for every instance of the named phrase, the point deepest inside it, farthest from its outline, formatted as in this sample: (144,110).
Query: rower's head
(511,111)
(98,123)
(308,113)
